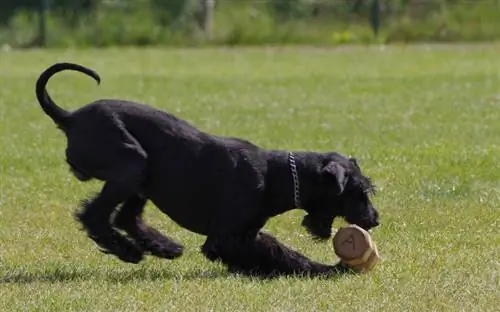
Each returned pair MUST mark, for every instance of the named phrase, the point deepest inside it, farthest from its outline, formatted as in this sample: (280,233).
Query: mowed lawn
(423,121)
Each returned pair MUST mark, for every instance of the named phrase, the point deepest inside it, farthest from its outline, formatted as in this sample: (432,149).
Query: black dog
(223,188)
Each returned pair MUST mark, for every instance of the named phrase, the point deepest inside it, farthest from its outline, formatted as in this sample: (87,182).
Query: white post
(207,14)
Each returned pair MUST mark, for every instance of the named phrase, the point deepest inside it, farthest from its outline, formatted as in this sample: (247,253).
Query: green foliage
(70,8)
(174,11)
(177,22)
(460,22)
(292,8)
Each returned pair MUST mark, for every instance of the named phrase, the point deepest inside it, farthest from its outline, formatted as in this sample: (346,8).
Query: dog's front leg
(262,254)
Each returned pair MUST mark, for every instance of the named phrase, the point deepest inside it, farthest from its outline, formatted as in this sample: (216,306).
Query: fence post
(42,23)
(375,16)
(208,7)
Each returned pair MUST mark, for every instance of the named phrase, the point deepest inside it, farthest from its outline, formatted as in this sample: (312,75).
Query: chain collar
(295,177)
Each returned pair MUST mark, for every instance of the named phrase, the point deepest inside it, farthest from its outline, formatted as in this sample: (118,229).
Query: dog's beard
(320,228)
(366,220)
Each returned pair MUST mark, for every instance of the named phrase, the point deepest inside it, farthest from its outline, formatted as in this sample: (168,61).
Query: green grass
(422,120)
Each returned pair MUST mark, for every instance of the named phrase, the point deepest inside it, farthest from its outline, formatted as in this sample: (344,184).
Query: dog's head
(340,190)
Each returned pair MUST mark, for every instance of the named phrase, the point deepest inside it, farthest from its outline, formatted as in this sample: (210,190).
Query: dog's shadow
(62,274)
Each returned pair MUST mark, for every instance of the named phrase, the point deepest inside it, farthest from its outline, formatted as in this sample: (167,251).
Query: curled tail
(58,114)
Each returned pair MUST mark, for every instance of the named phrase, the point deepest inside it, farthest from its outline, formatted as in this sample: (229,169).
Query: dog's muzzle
(366,224)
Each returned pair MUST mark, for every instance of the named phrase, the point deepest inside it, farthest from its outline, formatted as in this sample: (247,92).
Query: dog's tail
(58,114)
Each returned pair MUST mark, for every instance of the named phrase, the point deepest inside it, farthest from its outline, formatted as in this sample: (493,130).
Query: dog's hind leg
(95,217)
(263,255)
(129,219)
(107,151)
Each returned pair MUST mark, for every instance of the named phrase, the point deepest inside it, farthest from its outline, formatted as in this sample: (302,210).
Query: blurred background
(98,23)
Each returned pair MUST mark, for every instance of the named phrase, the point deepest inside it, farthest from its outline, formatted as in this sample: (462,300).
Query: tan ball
(355,248)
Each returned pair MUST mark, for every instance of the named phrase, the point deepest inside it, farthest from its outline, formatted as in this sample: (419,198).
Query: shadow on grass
(62,274)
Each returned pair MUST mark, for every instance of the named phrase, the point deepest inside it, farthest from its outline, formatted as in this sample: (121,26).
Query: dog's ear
(354,161)
(336,174)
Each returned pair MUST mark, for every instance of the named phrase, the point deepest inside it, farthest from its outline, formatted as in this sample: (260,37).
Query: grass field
(422,120)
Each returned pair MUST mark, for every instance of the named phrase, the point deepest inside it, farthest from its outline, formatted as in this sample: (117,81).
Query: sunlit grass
(422,120)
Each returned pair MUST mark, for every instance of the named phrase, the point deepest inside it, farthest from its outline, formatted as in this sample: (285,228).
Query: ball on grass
(355,248)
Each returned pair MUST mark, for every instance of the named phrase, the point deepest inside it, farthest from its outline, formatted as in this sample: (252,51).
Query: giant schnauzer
(224,188)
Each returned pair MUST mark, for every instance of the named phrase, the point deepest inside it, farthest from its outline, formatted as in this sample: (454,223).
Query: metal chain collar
(295,177)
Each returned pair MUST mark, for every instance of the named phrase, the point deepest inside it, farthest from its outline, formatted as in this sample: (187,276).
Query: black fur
(221,187)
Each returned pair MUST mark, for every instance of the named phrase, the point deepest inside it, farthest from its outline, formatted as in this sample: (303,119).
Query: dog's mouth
(321,229)
(318,229)
(365,224)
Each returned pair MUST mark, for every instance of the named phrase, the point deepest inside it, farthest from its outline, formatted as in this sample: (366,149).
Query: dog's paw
(162,248)
(133,257)
(155,243)
(128,257)
(113,243)
(168,252)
